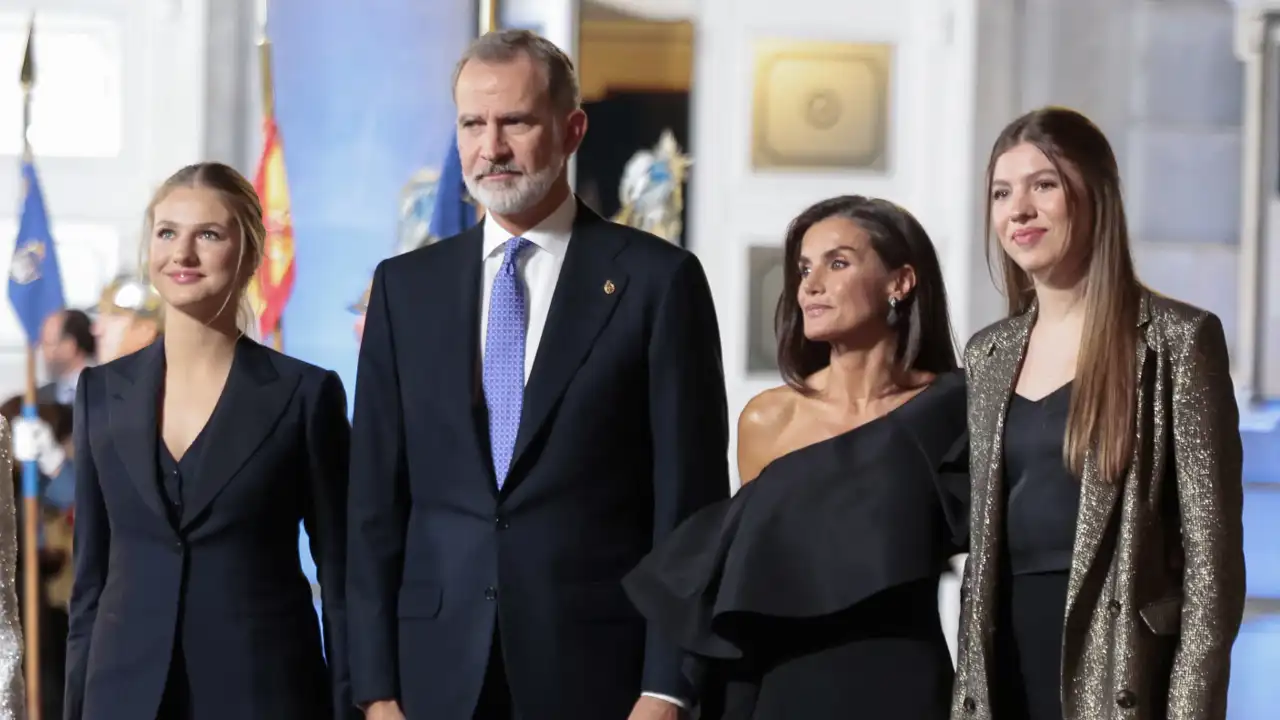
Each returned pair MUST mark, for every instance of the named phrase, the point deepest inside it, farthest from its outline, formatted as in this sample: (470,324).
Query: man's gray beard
(527,191)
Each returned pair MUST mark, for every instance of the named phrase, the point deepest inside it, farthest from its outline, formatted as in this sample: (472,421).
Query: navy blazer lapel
(458,387)
(133,396)
(588,290)
(251,405)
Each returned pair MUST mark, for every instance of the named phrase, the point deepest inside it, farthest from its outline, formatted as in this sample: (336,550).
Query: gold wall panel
(821,105)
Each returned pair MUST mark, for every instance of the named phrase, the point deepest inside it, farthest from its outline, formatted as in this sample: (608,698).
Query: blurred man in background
(67,346)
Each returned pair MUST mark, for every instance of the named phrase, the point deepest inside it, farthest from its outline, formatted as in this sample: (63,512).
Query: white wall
(931,154)
(556,20)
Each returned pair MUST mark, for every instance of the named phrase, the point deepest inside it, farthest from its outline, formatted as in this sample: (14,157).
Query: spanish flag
(271,287)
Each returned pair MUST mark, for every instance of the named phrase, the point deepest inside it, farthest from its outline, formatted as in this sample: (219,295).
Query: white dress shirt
(539,270)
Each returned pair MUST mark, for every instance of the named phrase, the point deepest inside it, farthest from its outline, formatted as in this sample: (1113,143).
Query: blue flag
(35,283)
(453,212)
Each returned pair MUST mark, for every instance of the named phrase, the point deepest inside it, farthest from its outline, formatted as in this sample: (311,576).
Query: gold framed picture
(821,105)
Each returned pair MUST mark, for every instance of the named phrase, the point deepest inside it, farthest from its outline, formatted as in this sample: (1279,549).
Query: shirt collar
(552,234)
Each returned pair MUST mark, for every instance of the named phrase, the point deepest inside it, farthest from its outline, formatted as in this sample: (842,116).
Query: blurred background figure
(67,346)
(128,317)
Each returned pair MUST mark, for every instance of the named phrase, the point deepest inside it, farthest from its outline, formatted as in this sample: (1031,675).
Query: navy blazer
(623,434)
(224,581)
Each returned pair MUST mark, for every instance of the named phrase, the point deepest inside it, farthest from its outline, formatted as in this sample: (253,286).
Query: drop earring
(893,312)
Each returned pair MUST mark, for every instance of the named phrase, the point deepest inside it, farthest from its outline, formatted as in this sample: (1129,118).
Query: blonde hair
(246,211)
(1103,410)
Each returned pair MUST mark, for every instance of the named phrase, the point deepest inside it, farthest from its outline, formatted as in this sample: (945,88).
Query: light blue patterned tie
(504,359)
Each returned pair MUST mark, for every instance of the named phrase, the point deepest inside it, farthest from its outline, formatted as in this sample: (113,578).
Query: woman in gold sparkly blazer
(1106,570)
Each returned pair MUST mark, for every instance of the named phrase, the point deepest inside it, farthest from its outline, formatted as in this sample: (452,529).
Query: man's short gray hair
(503,46)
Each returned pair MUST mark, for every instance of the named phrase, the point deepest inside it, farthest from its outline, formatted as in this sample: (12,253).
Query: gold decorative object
(821,105)
(652,189)
(130,294)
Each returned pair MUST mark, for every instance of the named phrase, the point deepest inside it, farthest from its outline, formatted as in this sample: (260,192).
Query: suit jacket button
(501,523)
(490,593)
(1114,607)
(970,705)
(1126,699)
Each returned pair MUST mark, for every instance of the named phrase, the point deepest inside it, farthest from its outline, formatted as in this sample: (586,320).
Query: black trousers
(495,695)
(53,659)
(176,704)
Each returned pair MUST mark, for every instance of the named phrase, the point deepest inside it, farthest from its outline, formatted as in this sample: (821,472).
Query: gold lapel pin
(609,287)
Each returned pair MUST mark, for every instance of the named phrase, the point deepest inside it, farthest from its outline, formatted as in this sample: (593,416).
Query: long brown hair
(242,202)
(1102,415)
(924,336)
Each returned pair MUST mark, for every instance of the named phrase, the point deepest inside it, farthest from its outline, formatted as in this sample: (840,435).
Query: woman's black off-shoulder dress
(813,593)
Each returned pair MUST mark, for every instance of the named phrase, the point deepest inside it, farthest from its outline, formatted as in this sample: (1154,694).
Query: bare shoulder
(760,427)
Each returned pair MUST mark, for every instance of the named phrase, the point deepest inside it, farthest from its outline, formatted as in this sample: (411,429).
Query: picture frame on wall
(766,274)
(821,105)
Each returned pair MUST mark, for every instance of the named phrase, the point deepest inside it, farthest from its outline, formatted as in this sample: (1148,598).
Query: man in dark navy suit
(539,400)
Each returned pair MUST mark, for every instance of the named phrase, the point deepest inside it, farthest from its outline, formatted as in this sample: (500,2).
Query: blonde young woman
(1106,574)
(196,459)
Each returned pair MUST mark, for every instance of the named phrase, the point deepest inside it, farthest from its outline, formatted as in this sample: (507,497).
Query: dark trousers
(176,703)
(495,696)
(53,659)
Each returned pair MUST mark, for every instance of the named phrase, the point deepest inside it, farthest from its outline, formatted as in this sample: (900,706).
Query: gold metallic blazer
(1157,582)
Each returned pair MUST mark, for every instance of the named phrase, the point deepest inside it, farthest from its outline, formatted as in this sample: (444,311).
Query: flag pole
(487,22)
(30,472)
(488,16)
(268,111)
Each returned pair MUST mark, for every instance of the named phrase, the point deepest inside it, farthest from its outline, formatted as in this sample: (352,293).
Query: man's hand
(383,710)
(652,708)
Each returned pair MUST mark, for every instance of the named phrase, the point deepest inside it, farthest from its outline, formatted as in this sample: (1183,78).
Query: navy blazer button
(490,593)
(501,522)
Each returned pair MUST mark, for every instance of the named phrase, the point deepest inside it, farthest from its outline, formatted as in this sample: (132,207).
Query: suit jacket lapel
(252,402)
(1003,363)
(459,388)
(1098,497)
(133,390)
(587,292)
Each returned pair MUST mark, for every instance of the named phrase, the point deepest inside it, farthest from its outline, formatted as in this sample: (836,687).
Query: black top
(1042,496)
(1040,525)
(176,474)
(816,585)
